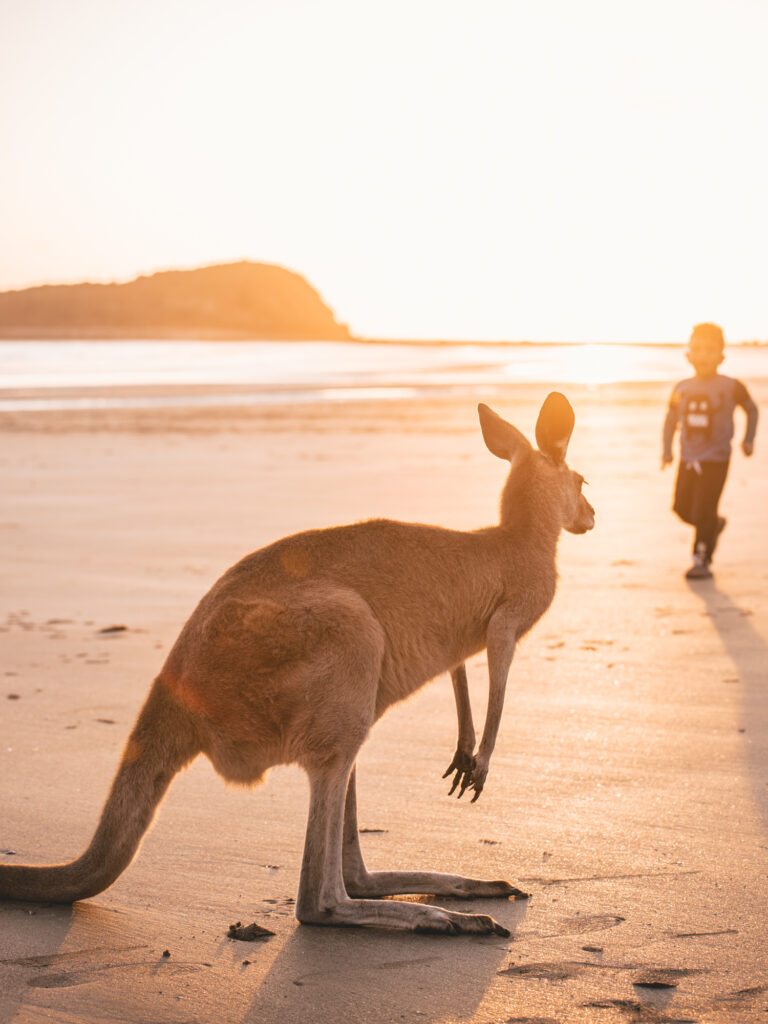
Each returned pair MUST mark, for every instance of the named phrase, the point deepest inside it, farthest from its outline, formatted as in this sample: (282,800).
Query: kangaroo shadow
(749,652)
(359,974)
(21,971)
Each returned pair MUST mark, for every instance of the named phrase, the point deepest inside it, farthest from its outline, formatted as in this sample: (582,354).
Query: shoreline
(203,408)
(150,334)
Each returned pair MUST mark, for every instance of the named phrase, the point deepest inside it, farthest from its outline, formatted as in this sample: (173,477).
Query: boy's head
(706,349)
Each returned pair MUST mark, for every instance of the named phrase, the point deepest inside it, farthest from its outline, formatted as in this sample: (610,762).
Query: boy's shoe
(700,569)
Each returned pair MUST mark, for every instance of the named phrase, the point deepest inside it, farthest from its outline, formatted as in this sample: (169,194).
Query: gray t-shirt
(703,406)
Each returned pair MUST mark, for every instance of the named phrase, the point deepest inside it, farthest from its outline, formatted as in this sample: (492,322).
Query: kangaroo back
(162,742)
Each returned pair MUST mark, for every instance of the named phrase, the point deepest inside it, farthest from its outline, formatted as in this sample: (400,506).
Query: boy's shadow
(749,653)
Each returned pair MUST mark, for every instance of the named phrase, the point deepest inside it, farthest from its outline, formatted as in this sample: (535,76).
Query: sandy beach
(629,788)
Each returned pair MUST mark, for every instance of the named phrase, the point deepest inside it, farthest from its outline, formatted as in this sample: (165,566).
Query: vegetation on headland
(229,301)
(223,302)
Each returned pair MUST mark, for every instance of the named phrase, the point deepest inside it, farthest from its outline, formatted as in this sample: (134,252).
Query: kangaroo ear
(501,438)
(555,426)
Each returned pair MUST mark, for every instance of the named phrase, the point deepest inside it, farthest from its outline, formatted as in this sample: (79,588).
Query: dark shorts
(696,498)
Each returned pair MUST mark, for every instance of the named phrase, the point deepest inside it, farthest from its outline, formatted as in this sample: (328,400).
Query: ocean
(38,375)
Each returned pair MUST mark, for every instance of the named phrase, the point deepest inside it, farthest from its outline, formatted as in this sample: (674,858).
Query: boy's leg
(685,493)
(687,501)
(707,495)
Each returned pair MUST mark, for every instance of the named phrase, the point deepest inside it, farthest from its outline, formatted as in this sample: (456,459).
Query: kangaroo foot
(412,917)
(397,883)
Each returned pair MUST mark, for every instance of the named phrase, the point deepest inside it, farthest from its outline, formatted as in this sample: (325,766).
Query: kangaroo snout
(586,520)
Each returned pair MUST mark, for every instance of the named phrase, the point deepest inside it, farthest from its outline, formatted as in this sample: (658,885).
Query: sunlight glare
(588,364)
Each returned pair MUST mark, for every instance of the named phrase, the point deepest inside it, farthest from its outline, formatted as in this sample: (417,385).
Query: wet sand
(629,788)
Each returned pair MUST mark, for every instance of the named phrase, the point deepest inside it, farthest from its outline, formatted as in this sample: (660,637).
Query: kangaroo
(298,649)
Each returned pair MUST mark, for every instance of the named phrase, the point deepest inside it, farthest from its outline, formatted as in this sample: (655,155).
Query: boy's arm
(745,400)
(670,426)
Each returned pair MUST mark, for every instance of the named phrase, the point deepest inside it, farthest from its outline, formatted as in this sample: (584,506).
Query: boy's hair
(709,332)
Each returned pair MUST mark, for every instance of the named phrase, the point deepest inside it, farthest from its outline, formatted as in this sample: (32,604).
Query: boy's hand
(747,447)
(666,459)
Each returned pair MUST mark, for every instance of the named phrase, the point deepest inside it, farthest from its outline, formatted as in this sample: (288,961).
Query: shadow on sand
(749,654)
(357,974)
(57,967)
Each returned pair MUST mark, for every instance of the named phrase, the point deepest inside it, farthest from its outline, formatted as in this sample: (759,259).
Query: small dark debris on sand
(112,629)
(167,953)
(370,831)
(13,696)
(248,932)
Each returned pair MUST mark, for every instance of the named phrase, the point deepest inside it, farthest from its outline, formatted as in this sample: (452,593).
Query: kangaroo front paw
(474,780)
(463,765)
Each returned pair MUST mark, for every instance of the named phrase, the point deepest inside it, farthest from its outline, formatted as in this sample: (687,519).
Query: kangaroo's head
(540,480)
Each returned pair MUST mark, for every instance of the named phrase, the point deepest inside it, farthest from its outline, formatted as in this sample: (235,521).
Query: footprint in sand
(638,1012)
(532,1020)
(743,995)
(545,971)
(587,923)
(143,971)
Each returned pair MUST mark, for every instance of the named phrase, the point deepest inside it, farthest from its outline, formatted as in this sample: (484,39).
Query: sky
(501,170)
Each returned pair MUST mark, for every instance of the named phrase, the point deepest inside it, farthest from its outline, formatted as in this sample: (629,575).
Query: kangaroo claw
(463,765)
(475,781)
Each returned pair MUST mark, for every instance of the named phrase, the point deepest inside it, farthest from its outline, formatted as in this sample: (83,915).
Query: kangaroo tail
(163,741)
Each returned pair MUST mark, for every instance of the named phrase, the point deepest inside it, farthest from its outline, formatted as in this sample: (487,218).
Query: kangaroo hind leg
(323,898)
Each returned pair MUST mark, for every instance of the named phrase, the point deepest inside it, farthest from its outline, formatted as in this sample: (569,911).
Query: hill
(227,301)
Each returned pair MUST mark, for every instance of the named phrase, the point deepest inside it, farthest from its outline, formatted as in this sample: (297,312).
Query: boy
(703,405)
